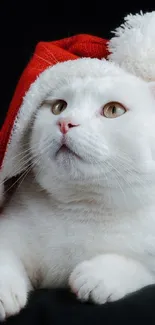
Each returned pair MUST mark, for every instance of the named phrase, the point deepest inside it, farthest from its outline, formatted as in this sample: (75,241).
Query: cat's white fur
(86,222)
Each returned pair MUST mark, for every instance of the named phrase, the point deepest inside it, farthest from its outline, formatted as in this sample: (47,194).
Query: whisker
(129,171)
(28,170)
(139,181)
(51,53)
(118,180)
(43,59)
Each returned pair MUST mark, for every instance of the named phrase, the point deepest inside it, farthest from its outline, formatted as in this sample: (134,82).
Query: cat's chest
(60,238)
(71,239)
(78,234)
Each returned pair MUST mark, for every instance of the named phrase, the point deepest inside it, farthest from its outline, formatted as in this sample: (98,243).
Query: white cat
(84,215)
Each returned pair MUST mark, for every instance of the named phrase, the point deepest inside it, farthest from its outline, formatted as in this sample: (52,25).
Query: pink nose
(66,125)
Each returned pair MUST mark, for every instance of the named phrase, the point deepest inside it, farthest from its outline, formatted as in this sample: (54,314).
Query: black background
(22,25)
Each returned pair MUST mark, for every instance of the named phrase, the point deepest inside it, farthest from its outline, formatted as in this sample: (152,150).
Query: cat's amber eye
(58,107)
(113,110)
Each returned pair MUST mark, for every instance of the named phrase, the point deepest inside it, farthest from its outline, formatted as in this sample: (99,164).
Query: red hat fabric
(46,55)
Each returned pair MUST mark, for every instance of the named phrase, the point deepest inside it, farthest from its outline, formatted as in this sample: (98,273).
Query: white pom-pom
(133,46)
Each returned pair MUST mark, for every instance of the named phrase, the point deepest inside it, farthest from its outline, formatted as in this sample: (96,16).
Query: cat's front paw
(13,294)
(107,278)
(88,283)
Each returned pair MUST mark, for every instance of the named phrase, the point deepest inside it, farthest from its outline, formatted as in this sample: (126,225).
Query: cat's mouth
(64,149)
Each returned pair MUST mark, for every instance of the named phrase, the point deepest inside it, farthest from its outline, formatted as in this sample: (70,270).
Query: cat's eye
(58,107)
(113,110)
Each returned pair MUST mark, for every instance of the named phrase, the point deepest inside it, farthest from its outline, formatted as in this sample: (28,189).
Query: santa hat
(132,47)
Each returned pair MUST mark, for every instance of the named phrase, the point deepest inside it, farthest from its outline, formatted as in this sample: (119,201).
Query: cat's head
(94,128)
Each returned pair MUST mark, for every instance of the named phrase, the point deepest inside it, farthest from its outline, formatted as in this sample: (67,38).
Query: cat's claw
(88,284)
(107,278)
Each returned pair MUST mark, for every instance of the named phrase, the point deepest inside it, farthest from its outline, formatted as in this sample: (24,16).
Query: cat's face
(94,129)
